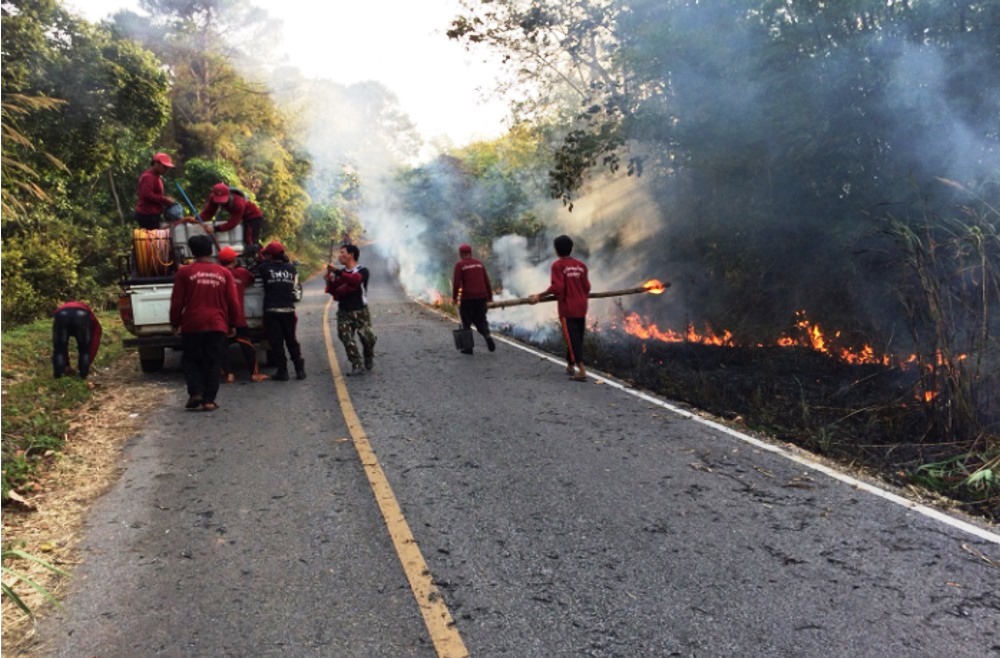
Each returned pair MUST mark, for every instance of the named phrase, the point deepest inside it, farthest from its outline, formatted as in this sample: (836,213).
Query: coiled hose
(153,249)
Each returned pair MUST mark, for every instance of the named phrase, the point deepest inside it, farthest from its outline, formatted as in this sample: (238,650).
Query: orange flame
(930,395)
(433,296)
(635,326)
(811,336)
(654,286)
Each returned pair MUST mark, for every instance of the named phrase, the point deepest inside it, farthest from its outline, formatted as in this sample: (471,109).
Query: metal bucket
(463,339)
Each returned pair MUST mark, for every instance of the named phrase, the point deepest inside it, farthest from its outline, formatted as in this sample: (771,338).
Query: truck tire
(151,359)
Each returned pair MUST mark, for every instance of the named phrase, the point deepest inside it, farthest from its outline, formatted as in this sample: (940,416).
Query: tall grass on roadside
(12,576)
(950,290)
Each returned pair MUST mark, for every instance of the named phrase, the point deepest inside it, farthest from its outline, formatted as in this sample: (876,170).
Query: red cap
(464,249)
(220,193)
(274,248)
(227,255)
(164,160)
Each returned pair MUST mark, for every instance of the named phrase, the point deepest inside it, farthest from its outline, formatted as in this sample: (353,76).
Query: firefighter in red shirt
(570,284)
(151,199)
(204,309)
(244,279)
(240,209)
(77,320)
(471,290)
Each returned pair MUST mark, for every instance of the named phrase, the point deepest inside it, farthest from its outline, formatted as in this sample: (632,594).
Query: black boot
(300,369)
(280,376)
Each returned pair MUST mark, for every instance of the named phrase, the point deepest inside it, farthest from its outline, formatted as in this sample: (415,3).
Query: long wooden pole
(520,301)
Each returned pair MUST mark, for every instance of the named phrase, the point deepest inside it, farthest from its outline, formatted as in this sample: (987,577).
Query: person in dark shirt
(244,279)
(280,278)
(241,211)
(349,286)
(471,290)
(570,284)
(151,199)
(203,311)
(76,320)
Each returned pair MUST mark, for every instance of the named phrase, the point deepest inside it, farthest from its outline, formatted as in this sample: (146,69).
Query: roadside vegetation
(37,408)
(786,166)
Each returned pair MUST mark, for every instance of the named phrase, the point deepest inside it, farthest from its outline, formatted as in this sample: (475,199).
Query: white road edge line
(929,512)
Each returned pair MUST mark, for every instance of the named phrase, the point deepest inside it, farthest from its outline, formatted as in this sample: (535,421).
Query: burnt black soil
(866,416)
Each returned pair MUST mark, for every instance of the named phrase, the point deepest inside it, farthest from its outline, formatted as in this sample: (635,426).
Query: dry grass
(88,466)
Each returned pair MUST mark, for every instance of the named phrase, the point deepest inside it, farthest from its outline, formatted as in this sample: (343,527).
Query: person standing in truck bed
(151,199)
(203,311)
(240,209)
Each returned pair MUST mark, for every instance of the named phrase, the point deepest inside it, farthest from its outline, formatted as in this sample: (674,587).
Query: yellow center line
(440,625)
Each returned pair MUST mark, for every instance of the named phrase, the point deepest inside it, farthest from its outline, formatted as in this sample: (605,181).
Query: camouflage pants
(356,323)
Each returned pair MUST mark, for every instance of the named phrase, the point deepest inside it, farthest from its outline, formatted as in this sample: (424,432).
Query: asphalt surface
(556,518)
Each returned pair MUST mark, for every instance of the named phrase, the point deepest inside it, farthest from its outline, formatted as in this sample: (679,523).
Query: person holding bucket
(151,199)
(471,291)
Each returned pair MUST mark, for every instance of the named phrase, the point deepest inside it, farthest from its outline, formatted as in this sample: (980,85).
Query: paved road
(555,518)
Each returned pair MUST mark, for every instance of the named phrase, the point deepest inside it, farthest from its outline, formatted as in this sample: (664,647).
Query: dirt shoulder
(52,524)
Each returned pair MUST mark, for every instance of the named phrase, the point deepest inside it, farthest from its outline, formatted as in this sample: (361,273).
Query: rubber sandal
(193,402)
(209,406)
(579,378)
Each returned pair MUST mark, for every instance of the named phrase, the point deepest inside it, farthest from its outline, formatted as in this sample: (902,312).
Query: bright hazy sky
(400,43)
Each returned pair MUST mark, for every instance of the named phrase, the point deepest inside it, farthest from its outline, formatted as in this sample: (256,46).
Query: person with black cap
(241,211)
(76,320)
(348,285)
(151,199)
(570,284)
(471,290)
(203,311)
(244,278)
(280,278)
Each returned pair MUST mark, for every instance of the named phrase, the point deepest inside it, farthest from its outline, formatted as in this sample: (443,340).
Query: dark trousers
(246,347)
(573,329)
(280,328)
(71,322)
(148,222)
(202,363)
(473,313)
(252,229)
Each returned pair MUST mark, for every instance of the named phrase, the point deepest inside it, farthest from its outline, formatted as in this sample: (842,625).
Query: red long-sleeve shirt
(349,288)
(150,193)
(571,285)
(95,327)
(204,299)
(244,279)
(470,277)
(238,207)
